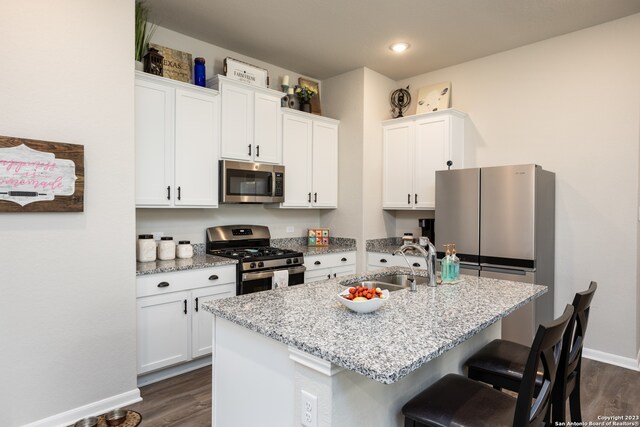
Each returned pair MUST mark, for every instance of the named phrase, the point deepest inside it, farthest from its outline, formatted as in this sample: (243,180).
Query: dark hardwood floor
(186,400)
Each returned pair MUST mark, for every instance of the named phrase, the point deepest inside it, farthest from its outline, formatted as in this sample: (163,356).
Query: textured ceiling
(324,38)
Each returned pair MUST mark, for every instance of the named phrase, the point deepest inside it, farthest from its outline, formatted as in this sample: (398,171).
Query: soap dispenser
(445,265)
(455,264)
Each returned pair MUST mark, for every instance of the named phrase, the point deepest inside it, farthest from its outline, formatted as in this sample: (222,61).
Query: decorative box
(176,64)
(246,73)
(318,237)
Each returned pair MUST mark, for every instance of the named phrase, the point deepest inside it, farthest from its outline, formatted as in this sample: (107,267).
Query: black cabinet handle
(213,277)
(185,306)
(343,260)
(328,276)
(309,197)
(317,263)
(415,264)
(249,149)
(163,284)
(334,275)
(408,199)
(315,197)
(416,198)
(168,192)
(257,151)
(383,260)
(196,305)
(178,193)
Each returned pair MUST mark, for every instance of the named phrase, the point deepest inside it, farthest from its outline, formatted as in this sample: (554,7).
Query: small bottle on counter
(455,264)
(445,265)
(199,74)
(184,249)
(166,249)
(146,248)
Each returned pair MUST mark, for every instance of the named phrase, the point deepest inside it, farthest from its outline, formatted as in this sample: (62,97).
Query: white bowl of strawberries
(363,299)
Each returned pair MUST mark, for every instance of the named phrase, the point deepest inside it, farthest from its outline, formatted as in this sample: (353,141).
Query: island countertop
(409,330)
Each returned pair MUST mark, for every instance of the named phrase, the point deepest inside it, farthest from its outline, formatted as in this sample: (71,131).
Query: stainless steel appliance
(502,220)
(257,261)
(243,182)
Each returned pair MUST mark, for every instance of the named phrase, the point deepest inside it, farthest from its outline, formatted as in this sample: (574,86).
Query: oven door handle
(247,277)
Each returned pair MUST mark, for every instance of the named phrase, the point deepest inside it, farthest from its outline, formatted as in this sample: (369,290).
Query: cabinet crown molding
(292,112)
(215,81)
(448,111)
(141,75)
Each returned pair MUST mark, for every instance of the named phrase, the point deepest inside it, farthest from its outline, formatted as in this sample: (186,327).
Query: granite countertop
(299,244)
(411,329)
(198,261)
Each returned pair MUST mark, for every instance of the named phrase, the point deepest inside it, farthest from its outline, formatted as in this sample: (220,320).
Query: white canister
(146,248)
(166,249)
(184,249)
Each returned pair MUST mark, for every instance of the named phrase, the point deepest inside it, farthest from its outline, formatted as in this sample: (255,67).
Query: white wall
(571,104)
(191,223)
(67,312)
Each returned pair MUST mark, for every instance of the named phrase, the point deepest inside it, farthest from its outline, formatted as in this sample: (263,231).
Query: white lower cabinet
(379,259)
(329,266)
(172,326)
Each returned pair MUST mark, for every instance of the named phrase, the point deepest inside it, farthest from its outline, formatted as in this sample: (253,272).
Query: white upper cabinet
(310,158)
(250,121)
(413,149)
(176,134)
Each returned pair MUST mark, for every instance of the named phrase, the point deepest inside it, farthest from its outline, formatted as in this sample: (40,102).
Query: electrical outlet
(157,235)
(308,409)
(290,229)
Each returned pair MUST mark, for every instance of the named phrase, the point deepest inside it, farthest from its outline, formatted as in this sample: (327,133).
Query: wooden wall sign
(41,176)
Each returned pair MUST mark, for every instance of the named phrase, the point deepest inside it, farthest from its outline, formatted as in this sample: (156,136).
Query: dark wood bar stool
(460,401)
(502,363)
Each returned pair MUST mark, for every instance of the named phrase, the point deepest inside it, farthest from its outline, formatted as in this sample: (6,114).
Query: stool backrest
(574,335)
(531,410)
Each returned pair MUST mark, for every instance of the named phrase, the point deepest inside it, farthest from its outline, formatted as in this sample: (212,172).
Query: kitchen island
(270,348)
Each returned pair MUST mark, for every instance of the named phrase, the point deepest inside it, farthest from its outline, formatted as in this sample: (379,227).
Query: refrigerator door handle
(506,270)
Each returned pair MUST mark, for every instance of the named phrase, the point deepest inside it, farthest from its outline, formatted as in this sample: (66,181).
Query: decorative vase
(293,102)
(139,66)
(305,106)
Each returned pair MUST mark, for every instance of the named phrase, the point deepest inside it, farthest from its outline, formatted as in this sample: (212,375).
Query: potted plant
(305,93)
(143,32)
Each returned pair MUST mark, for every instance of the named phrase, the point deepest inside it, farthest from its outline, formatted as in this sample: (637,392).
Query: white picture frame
(434,97)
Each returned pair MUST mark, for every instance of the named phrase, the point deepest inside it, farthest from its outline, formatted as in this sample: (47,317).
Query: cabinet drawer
(162,283)
(315,262)
(388,260)
(317,275)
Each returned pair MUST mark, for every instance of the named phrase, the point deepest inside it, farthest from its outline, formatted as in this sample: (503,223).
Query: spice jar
(146,248)
(166,249)
(184,249)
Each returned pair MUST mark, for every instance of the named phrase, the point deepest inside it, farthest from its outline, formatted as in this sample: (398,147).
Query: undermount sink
(393,282)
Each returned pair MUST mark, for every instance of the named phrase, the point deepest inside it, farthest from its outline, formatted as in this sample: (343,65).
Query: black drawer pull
(317,263)
(185,306)
(383,260)
(163,284)
(343,260)
(196,305)
(415,264)
(213,277)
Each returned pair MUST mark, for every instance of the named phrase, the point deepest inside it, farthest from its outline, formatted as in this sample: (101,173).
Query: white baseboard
(612,359)
(172,371)
(91,409)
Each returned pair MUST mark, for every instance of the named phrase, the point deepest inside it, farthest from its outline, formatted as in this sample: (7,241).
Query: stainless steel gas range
(257,260)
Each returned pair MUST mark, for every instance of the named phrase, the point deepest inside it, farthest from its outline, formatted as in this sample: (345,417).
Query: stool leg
(559,407)
(574,402)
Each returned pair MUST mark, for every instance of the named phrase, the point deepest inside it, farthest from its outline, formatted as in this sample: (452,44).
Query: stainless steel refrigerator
(502,221)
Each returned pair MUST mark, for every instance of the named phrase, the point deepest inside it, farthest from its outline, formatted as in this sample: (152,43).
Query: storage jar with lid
(146,248)
(166,249)
(184,249)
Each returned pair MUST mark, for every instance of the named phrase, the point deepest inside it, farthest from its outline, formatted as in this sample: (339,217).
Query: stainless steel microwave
(244,182)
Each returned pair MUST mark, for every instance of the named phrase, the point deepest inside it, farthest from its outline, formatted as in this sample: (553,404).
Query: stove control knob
(252,265)
(288,260)
(295,260)
(260,264)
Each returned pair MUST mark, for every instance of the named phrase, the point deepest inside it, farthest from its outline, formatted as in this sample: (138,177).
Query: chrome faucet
(429,256)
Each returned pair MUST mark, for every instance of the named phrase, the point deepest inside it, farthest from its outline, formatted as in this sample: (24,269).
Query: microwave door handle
(272,188)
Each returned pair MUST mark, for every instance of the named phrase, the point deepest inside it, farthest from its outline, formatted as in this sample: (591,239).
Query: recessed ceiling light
(399,47)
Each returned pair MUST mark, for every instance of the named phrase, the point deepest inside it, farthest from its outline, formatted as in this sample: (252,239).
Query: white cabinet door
(163,331)
(325,165)
(397,181)
(317,275)
(267,126)
(154,142)
(296,157)
(431,153)
(201,320)
(343,271)
(236,123)
(196,153)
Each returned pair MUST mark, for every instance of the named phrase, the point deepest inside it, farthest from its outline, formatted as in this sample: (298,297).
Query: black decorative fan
(400,100)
